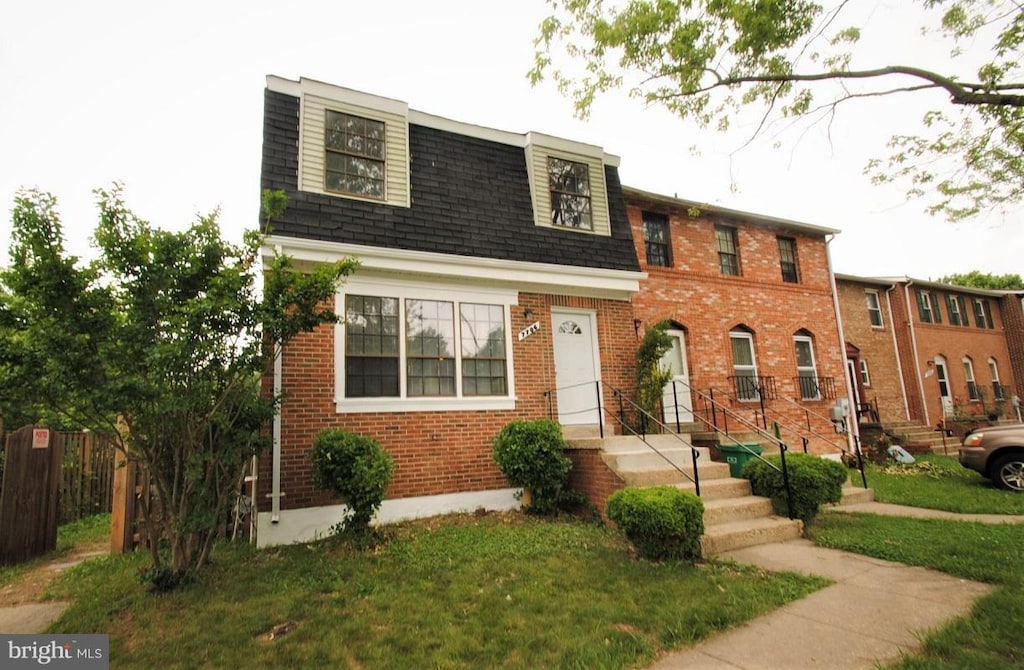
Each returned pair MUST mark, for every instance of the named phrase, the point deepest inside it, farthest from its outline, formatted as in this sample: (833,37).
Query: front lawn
(940,482)
(493,591)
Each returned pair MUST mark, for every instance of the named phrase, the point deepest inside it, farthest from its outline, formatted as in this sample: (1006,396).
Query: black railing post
(860,460)
(785,470)
(804,438)
(600,410)
(760,398)
(675,405)
(622,410)
(694,454)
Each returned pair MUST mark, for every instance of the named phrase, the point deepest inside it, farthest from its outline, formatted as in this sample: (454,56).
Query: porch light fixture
(636,327)
(527,313)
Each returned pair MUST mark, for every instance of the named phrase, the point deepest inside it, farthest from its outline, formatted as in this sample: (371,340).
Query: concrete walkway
(875,612)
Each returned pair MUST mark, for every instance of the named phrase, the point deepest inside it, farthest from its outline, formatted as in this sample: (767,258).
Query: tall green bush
(662,522)
(651,377)
(531,454)
(356,468)
(815,481)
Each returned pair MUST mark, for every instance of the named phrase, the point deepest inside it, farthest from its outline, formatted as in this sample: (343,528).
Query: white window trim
(813,369)
(865,376)
(970,379)
(404,290)
(749,337)
(876,309)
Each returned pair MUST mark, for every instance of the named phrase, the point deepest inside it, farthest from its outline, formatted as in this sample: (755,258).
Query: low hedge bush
(815,481)
(531,454)
(355,467)
(662,522)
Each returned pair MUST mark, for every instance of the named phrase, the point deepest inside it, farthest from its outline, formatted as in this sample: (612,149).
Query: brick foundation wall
(591,476)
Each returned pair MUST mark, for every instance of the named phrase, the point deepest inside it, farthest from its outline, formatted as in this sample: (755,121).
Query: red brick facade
(871,348)
(695,295)
(435,452)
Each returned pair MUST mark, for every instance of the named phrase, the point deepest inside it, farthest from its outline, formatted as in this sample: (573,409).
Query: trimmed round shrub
(815,481)
(356,468)
(531,454)
(662,522)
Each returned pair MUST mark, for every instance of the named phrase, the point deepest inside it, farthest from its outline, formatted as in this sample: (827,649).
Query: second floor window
(983,313)
(874,308)
(957,307)
(569,183)
(656,239)
(728,250)
(355,155)
(928,307)
(787,260)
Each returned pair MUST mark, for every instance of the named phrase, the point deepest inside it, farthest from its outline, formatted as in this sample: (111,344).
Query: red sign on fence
(40,438)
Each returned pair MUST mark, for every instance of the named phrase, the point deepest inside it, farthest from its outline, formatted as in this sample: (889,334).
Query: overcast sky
(168,100)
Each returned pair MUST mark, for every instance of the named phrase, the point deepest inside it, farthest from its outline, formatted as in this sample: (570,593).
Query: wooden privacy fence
(28,499)
(87,483)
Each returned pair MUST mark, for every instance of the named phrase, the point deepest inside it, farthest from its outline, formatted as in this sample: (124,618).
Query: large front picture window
(569,183)
(411,348)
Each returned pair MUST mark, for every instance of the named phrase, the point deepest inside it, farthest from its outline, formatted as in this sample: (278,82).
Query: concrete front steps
(733,518)
(917,433)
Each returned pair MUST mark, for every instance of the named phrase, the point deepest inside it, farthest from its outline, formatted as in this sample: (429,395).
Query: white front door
(945,396)
(576,367)
(677,399)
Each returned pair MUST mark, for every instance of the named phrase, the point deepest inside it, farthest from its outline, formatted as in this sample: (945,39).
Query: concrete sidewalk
(875,612)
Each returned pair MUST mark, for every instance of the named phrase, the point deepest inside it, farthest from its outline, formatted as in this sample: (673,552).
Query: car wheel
(1008,472)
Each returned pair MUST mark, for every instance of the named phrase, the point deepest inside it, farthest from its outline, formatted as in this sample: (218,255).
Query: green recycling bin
(737,455)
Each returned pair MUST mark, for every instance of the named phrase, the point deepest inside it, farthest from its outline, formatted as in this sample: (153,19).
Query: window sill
(362,405)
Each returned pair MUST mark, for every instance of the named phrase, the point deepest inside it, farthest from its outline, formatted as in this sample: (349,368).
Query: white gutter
(917,358)
(852,423)
(896,350)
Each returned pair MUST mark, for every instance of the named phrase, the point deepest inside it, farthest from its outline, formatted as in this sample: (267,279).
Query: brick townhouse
(932,353)
(495,267)
(750,303)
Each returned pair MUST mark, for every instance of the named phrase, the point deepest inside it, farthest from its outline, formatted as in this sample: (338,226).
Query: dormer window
(356,151)
(569,183)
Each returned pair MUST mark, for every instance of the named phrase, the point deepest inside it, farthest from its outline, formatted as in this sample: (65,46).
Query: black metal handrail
(709,400)
(799,431)
(646,418)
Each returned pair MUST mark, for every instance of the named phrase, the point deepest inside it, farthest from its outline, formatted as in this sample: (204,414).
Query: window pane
(741,351)
(569,184)
(804,356)
(483,349)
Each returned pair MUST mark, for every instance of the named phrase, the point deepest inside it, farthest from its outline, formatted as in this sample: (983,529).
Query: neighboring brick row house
(929,352)
(749,300)
(510,276)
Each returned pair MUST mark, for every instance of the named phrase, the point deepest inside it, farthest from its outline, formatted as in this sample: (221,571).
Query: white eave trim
(522,276)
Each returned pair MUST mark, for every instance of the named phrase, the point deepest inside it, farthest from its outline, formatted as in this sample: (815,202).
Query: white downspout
(917,358)
(852,424)
(275,480)
(896,350)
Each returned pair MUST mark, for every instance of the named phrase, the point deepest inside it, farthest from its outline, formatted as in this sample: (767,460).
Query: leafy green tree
(977,279)
(160,344)
(706,59)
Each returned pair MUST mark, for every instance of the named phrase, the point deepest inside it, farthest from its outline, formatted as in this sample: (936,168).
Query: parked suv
(997,452)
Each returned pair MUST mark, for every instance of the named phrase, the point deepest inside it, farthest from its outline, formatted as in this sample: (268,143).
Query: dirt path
(29,587)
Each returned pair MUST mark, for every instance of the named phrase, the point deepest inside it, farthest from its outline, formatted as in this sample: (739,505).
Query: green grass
(90,530)
(940,482)
(496,591)
(990,636)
